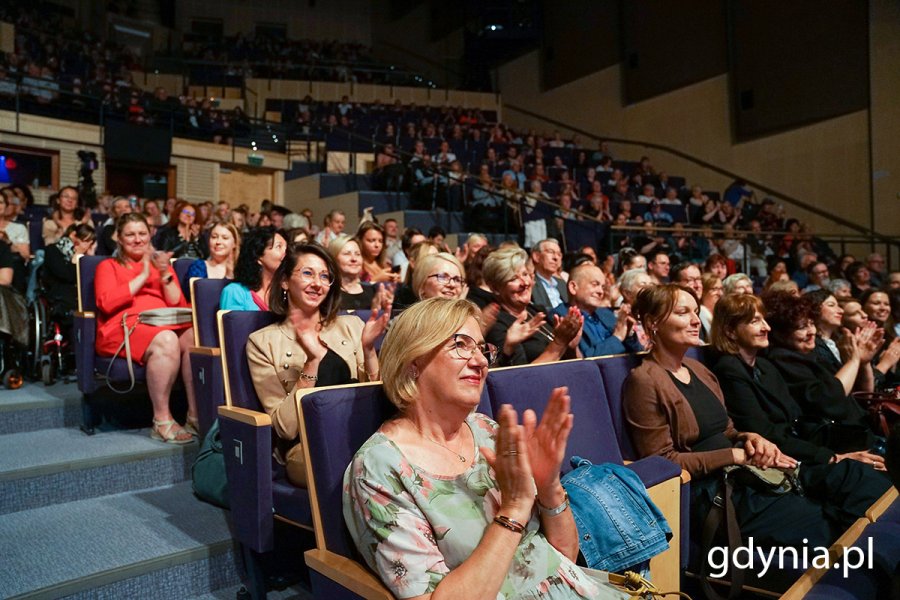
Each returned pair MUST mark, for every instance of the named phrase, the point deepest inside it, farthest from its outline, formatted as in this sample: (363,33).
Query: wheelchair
(14,338)
(49,353)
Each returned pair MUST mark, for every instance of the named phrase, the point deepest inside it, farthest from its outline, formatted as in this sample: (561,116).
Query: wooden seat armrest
(206,350)
(245,415)
(685,477)
(879,506)
(347,573)
(87,314)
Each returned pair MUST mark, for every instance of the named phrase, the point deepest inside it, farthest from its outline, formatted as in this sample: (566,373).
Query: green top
(413,527)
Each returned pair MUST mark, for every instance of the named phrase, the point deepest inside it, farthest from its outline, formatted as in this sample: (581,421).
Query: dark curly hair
(816,299)
(786,314)
(247,270)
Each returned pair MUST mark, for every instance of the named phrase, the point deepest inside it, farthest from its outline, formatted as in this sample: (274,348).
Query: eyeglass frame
(449,279)
(488,351)
(310,278)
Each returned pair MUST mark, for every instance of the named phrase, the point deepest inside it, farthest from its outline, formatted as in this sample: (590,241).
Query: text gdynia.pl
(786,557)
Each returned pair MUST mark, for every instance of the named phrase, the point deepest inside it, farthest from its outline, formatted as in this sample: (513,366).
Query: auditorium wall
(407,40)
(825,164)
(328,20)
(884,40)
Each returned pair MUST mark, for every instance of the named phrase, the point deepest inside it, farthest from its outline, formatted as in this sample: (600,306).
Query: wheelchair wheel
(12,379)
(47,374)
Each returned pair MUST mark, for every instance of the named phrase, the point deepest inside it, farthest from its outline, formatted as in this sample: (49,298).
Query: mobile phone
(395,269)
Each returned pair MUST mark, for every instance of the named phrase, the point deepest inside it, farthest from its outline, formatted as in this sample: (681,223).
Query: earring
(284,295)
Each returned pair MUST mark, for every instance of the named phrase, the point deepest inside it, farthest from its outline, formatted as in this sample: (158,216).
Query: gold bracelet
(511,524)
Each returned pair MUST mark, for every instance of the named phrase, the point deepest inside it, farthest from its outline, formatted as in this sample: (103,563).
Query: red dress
(113,300)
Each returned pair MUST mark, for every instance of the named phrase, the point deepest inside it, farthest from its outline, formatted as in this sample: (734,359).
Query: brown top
(661,422)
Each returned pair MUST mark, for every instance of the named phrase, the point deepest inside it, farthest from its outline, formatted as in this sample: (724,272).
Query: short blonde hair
(337,244)
(417,331)
(501,266)
(428,262)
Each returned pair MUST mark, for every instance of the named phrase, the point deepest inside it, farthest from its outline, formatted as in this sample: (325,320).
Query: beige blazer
(275,359)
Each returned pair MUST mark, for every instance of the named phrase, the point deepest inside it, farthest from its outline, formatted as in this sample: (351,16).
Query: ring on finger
(511,453)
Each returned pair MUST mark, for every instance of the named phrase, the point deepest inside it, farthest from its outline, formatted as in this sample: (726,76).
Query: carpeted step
(35,406)
(52,466)
(154,543)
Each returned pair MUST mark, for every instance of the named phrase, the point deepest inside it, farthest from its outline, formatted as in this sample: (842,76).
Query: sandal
(192,426)
(170,433)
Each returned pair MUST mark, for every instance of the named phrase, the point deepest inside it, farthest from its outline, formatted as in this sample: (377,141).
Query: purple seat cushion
(119,370)
(291,502)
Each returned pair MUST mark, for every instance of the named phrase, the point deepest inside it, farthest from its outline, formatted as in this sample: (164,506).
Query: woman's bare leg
(162,360)
(185,341)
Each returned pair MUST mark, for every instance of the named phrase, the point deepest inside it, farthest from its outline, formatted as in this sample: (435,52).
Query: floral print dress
(413,527)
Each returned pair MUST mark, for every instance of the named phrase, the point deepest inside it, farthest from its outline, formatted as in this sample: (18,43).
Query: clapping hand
(379,319)
(511,466)
(568,329)
(521,330)
(869,340)
(547,440)
(160,260)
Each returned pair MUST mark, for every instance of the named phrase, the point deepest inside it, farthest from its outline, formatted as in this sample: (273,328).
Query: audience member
(435,365)
(59,272)
(311,345)
(674,408)
(181,236)
(355,294)
(140,278)
(262,250)
(604,332)
(521,331)
(439,274)
(224,249)
(549,290)
(333,227)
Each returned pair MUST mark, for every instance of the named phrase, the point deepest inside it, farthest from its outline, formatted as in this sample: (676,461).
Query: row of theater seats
(336,421)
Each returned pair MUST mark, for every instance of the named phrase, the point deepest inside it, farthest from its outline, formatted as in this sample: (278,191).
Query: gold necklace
(461,458)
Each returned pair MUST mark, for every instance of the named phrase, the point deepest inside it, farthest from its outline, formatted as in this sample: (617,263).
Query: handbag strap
(126,343)
(722,509)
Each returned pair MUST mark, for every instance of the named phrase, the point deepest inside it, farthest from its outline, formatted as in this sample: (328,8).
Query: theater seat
(205,356)
(593,437)
(334,424)
(91,369)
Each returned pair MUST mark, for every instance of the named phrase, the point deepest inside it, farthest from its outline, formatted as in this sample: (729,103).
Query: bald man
(604,333)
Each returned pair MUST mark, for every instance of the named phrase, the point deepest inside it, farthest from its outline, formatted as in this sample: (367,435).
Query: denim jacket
(618,525)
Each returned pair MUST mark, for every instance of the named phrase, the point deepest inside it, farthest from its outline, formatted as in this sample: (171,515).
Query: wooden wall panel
(237,186)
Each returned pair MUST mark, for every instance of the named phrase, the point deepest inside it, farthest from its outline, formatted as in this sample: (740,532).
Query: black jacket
(764,405)
(815,389)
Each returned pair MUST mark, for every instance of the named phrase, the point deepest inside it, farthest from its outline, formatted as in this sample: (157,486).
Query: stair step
(382,202)
(296,592)
(53,466)
(35,406)
(154,543)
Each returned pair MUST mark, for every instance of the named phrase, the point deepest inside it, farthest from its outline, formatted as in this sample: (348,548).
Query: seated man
(605,332)
(549,290)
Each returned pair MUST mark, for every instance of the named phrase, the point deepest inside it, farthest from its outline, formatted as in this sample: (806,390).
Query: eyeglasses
(464,347)
(189,213)
(308,276)
(444,279)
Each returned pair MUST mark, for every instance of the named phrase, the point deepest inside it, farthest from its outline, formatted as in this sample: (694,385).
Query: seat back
(235,327)
(613,372)
(86,270)
(35,234)
(205,294)
(181,266)
(335,423)
(592,436)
